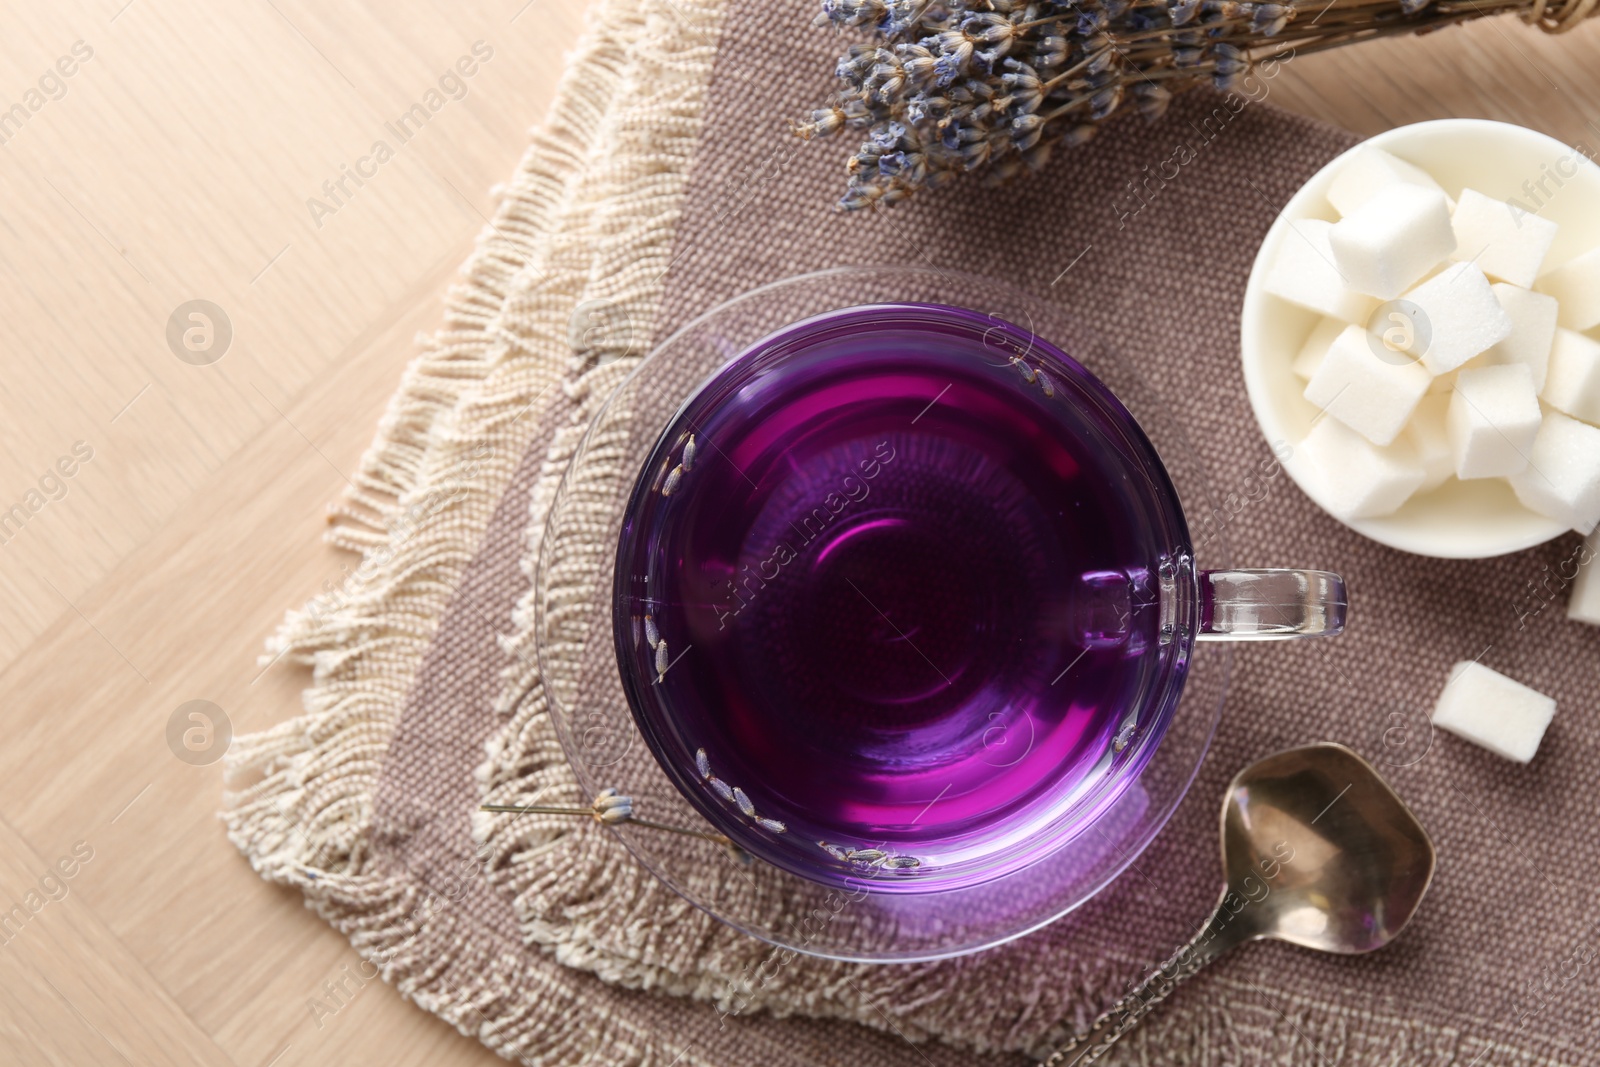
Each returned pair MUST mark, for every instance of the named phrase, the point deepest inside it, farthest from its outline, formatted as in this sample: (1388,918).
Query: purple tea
(888,597)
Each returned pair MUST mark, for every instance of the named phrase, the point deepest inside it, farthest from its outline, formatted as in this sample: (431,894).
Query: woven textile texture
(663,183)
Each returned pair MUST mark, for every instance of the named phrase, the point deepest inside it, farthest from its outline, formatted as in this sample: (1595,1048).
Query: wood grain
(175,163)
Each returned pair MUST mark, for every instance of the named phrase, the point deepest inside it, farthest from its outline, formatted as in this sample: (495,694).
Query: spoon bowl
(1352,863)
(1317,850)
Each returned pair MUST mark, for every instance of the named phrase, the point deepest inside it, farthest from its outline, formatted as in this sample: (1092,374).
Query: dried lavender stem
(1074,70)
(533,809)
(704,835)
(1332,36)
(1324,42)
(1066,107)
(549,809)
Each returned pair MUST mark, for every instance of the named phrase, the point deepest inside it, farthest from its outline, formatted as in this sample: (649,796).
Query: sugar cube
(1576,284)
(1533,329)
(1304,273)
(1387,244)
(1583,603)
(1430,440)
(1359,480)
(1372,394)
(1369,170)
(1562,478)
(1492,420)
(1485,707)
(1573,382)
(1457,316)
(1316,346)
(1505,241)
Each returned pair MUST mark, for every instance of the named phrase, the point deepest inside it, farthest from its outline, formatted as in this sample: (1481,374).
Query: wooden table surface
(158,152)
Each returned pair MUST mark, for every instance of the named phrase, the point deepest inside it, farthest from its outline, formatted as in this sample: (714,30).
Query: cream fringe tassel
(633,231)
(640,191)
(301,810)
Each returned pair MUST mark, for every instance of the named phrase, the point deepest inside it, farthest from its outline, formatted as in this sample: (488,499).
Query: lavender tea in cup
(904,597)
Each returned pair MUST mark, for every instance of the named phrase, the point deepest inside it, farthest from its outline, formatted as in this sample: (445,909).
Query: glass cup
(905,606)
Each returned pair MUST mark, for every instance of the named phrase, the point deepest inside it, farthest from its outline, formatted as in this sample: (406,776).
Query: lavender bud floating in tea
(955,85)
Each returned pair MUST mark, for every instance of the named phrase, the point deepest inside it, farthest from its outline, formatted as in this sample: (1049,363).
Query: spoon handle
(1214,938)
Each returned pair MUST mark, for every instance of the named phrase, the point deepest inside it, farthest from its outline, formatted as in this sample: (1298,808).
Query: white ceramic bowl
(1458,520)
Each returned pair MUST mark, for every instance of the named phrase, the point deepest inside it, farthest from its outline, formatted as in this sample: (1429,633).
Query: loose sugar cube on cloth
(1492,420)
(1576,284)
(1386,246)
(1493,711)
(1367,387)
(1572,383)
(1304,273)
(1316,346)
(1457,316)
(1366,172)
(1430,440)
(1583,603)
(1533,330)
(1505,241)
(1359,480)
(1562,478)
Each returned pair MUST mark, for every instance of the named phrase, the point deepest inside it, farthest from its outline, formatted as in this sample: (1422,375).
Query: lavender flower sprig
(950,86)
(613,808)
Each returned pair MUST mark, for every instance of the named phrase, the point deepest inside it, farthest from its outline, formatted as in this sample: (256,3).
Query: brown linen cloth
(1510,925)
(1147,234)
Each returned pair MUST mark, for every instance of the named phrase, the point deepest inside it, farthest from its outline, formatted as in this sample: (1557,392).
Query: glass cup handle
(1270,605)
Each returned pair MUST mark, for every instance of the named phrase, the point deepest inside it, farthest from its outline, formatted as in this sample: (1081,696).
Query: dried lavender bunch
(948,86)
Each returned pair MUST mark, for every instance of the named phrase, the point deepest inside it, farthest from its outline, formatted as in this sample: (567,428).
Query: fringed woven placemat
(664,182)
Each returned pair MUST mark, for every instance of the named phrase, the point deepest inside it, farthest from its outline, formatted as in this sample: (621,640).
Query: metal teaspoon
(1317,850)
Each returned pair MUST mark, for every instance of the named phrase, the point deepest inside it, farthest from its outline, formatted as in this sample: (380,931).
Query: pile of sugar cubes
(1446,349)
